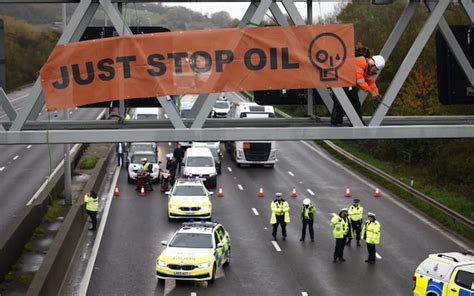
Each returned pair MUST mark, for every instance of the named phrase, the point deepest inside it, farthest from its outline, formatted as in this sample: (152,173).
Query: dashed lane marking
(169,143)
(277,247)
(1,169)
(240,187)
(291,174)
(229,169)
(19,98)
(310,191)
(193,294)
(304,293)
(378,255)
(16,157)
(28,147)
(255,211)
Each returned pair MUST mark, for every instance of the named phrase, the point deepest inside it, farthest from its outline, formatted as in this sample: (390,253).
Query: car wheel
(227,260)
(213,277)
(161,281)
(129,180)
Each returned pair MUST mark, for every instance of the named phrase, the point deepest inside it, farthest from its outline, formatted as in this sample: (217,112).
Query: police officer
(348,232)
(307,216)
(92,207)
(338,225)
(356,212)
(280,215)
(145,170)
(371,234)
(178,154)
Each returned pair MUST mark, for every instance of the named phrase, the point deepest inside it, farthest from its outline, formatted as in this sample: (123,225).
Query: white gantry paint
(255,211)
(277,247)
(304,293)
(240,187)
(310,191)
(28,147)
(378,255)
(229,169)
(291,174)
(1,169)
(16,157)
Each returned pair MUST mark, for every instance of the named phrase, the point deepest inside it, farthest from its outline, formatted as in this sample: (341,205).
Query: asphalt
(136,225)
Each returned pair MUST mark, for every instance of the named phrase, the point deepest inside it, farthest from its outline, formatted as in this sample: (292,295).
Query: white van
(199,163)
(252,152)
(147,113)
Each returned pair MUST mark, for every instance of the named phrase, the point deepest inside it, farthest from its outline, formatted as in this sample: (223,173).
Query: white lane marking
(4,115)
(28,147)
(193,294)
(229,169)
(310,191)
(61,164)
(392,199)
(70,112)
(1,169)
(255,211)
(378,256)
(20,97)
(291,174)
(169,143)
(304,293)
(95,248)
(240,187)
(16,157)
(277,247)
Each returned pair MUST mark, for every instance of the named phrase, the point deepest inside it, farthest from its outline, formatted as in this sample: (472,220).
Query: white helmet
(306,201)
(379,61)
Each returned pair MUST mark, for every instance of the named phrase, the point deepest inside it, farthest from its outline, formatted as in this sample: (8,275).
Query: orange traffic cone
(220,193)
(348,192)
(377,193)
(116,192)
(293,193)
(142,191)
(261,193)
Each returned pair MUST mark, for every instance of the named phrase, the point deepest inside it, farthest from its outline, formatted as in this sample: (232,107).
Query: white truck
(246,153)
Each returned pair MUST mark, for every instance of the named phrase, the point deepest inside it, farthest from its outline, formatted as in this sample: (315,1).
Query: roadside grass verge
(88,162)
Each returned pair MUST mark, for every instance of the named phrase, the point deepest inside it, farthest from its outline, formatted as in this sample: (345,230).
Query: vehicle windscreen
(221,105)
(189,191)
(140,147)
(146,116)
(191,240)
(136,158)
(200,161)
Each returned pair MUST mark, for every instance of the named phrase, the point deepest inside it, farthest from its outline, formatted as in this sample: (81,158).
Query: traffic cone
(377,193)
(348,192)
(261,193)
(293,193)
(220,193)
(142,191)
(116,192)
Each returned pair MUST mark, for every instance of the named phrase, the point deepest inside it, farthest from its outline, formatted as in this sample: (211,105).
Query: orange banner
(205,61)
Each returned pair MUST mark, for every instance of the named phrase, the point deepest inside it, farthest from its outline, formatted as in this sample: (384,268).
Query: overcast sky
(237,9)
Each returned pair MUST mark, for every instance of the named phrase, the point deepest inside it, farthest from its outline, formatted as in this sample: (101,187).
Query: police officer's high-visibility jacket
(148,167)
(371,232)
(364,80)
(92,204)
(307,212)
(280,208)
(339,226)
(356,212)
(127,116)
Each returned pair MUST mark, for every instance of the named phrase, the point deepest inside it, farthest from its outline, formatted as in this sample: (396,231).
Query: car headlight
(206,208)
(205,264)
(213,174)
(160,263)
(174,207)
(240,153)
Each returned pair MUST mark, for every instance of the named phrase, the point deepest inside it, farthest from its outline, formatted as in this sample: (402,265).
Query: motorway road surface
(24,168)
(125,264)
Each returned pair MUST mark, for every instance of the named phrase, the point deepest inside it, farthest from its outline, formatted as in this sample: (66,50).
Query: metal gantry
(24,127)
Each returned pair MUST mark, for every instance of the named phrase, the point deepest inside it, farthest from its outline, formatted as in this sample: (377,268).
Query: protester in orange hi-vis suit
(366,73)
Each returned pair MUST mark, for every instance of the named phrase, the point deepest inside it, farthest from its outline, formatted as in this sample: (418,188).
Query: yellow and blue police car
(445,274)
(189,198)
(195,252)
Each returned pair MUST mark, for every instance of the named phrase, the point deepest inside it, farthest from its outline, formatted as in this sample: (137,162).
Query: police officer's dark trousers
(371,250)
(309,223)
(338,112)
(339,250)
(93,215)
(356,225)
(280,221)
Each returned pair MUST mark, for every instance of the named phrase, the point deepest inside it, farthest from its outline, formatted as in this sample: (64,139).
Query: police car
(189,198)
(445,274)
(195,252)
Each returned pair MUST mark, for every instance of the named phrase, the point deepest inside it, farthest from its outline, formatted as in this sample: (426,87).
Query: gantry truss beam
(22,127)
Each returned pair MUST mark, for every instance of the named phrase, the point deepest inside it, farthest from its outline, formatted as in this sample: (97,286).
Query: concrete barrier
(49,278)
(11,244)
